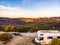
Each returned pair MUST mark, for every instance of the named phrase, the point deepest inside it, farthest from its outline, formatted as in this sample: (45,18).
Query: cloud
(38,12)
(8,8)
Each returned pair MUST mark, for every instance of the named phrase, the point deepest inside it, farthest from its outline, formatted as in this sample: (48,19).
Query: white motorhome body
(45,36)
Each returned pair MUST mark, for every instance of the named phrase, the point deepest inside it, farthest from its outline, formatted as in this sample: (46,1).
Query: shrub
(55,41)
(5,37)
(9,28)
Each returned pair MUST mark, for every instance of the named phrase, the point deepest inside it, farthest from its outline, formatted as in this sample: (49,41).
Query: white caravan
(45,36)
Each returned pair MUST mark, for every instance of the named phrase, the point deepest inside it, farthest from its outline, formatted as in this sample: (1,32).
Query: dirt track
(25,39)
(20,40)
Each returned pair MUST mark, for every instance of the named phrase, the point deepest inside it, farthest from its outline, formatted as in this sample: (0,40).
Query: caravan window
(41,38)
(50,37)
(58,37)
(41,34)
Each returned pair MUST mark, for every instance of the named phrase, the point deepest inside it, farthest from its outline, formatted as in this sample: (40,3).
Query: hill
(22,21)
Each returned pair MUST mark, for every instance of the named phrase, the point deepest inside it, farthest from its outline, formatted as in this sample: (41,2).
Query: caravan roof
(49,31)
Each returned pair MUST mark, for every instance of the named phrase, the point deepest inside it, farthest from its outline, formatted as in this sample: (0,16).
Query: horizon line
(29,17)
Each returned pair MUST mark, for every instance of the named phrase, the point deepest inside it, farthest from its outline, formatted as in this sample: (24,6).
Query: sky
(29,8)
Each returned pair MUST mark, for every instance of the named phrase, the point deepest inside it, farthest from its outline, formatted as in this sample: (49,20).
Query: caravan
(45,36)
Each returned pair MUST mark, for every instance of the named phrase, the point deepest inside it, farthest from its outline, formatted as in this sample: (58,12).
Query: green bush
(55,41)
(5,37)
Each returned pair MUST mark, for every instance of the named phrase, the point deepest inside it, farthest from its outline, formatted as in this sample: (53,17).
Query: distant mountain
(21,21)
(13,21)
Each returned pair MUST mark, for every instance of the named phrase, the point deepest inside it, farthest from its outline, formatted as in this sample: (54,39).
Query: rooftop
(49,31)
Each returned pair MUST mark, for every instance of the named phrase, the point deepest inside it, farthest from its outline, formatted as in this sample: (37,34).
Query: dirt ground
(21,40)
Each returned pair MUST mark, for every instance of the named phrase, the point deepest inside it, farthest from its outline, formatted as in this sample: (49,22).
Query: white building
(45,36)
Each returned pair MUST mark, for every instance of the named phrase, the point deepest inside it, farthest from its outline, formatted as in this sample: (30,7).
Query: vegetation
(31,28)
(9,28)
(55,41)
(29,25)
(5,37)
